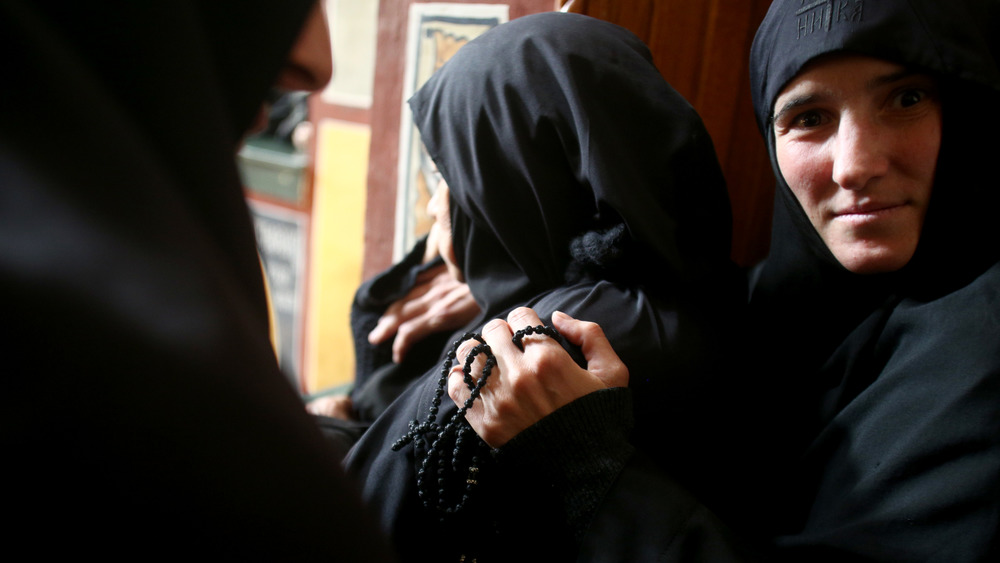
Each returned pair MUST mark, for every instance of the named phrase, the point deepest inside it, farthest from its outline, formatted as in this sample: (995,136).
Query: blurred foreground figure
(142,402)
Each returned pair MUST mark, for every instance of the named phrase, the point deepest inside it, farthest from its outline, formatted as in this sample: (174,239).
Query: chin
(873,259)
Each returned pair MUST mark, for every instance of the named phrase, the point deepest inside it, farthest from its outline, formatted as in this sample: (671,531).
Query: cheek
(806,171)
(446,248)
(442,215)
(437,207)
(444,226)
(440,207)
(923,155)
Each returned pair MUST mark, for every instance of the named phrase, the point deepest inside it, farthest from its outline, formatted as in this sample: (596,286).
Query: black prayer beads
(430,440)
(529,330)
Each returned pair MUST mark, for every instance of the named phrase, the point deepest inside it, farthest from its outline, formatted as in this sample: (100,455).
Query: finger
(419,306)
(522,317)
(470,358)
(497,334)
(602,361)
(465,348)
(411,332)
(457,389)
(445,306)
(416,302)
(524,320)
(466,362)
(432,273)
(337,406)
(400,311)
(386,326)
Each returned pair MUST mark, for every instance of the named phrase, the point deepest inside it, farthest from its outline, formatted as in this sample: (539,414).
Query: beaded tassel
(431,439)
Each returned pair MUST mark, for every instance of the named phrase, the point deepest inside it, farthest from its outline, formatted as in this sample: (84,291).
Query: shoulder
(911,451)
(958,330)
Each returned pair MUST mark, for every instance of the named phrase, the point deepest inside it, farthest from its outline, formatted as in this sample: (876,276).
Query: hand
(336,406)
(528,386)
(437,302)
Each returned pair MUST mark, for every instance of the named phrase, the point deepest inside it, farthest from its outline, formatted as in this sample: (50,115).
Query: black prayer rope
(446,485)
(431,440)
(528,330)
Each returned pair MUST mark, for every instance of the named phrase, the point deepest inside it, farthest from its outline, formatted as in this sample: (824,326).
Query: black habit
(865,425)
(579,181)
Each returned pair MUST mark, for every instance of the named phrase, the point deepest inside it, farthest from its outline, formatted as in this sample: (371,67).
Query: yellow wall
(341,171)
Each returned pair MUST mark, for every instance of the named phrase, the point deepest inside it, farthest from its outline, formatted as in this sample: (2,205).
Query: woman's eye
(910,98)
(808,119)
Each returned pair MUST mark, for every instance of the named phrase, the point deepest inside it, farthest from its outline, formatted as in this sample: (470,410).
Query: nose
(310,63)
(433,203)
(860,152)
(439,200)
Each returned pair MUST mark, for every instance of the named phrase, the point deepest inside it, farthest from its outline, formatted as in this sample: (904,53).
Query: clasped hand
(527,386)
(437,302)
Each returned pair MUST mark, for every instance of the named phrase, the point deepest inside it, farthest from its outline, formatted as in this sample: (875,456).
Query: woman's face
(857,141)
(310,62)
(439,208)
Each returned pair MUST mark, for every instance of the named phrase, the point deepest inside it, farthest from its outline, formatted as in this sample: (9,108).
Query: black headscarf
(542,141)
(142,404)
(581,182)
(880,387)
(576,170)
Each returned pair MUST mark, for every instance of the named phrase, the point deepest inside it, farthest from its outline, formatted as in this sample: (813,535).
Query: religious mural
(436,32)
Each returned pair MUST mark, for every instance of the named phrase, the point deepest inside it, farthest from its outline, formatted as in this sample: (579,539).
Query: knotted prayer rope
(431,440)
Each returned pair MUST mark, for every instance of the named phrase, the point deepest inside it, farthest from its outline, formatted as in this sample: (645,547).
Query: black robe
(378,381)
(882,427)
(144,414)
(581,182)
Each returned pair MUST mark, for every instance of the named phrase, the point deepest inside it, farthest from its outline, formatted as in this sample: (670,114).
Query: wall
(702,48)
(341,118)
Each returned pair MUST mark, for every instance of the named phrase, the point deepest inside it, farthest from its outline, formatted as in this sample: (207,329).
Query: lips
(868,209)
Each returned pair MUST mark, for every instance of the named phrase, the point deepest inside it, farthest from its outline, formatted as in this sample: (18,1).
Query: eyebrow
(810,98)
(891,78)
(795,103)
